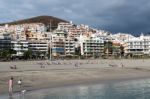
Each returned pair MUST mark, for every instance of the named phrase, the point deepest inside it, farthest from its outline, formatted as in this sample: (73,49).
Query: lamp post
(50,40)
(50,48)
(107,48)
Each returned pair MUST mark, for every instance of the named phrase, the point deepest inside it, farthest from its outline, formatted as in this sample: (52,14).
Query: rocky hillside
(39,19)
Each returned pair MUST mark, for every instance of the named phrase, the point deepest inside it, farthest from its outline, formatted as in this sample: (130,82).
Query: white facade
(91,46)
(69,46)
(38,46)
(138,45)
(58,42)
(64,26)
(121,37)
(20,47)
(104,35)
(5,35)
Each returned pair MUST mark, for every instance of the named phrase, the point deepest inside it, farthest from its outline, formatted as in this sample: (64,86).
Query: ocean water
(131,89)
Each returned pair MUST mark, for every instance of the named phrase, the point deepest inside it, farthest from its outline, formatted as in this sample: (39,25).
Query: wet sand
(66,73)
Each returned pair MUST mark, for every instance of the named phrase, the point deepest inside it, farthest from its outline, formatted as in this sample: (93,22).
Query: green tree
(121,51)
(7,53)
(78,52)
(108,48)
(27,54)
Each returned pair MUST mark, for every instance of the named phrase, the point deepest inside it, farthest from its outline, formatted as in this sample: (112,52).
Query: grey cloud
(114,15)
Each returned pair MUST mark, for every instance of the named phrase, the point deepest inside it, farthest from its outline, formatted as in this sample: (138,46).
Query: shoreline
(96,82)
(55,76)
(82,80)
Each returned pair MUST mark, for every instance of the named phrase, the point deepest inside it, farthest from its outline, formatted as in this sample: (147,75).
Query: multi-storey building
(62,40)
(58,47)
(91,46)
(5,41)
(25,31)
(64,26)
(5,44)
(58,43)
(121,37)
(20,47)
(38,46)
(138,45)
(76,32)
(69,47)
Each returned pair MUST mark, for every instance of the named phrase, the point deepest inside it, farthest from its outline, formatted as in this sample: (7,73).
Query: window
(131,43)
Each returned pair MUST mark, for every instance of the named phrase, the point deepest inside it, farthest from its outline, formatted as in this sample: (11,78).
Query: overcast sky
(131,16)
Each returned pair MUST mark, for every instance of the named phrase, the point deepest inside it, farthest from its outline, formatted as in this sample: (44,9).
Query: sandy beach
(47,74)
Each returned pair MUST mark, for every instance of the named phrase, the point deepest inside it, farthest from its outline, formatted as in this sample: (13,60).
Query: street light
(107,48)
(50,48)
(50,41)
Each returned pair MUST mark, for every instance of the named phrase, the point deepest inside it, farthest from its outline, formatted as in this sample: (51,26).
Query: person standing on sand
(19,82)
(76,65)
(10,84)
(122,65)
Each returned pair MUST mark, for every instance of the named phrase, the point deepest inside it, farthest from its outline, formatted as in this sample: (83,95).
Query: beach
(46,74)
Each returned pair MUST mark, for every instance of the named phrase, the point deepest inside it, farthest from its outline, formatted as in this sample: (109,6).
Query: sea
(127,89)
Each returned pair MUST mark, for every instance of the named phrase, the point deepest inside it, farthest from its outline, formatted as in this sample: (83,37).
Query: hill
(39,19)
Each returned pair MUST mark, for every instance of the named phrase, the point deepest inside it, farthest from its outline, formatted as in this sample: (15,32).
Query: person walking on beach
(10,86)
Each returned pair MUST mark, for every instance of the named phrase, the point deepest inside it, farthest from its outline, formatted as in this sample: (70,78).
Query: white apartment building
(20,47)
(91,46)
(58,42)
(138,45)
(76,32)
(36,28)
(82,26)
(48,36)
(24,31)
(120,37)
(64,26)
(104,35)
(69,47)
(38,46)
(31,27)
(5,35)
